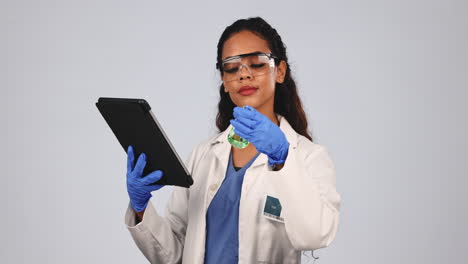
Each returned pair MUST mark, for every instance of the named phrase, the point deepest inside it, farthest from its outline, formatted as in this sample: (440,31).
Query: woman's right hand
(138,187)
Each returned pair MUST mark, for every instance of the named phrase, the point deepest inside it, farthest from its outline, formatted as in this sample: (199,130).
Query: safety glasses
(256,63)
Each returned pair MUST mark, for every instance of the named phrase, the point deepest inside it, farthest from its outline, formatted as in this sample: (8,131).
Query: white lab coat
(305,187)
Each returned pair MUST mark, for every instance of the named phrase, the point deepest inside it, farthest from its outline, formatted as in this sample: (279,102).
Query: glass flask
(236,140)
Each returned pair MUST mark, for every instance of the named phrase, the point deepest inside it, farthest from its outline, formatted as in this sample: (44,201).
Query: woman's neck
(270,114)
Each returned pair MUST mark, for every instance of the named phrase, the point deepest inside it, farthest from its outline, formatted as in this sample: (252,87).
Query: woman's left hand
(265,135)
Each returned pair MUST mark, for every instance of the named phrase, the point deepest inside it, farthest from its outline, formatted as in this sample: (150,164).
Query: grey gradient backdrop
(383,84)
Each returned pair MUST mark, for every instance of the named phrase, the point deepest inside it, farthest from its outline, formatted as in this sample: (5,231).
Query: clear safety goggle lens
(256,65)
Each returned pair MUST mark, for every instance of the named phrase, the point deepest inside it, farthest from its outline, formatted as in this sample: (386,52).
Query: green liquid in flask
(236,140)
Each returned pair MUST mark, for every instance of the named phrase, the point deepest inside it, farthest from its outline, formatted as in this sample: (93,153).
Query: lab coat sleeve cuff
(149,233)
(131,218)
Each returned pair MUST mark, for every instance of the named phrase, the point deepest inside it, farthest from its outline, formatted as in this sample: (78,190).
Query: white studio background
(384,84)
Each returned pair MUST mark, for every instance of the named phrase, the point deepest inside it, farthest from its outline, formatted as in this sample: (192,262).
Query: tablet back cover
(132,123)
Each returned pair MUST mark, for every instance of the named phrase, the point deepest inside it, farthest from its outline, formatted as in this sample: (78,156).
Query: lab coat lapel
(221,148)
(289,132)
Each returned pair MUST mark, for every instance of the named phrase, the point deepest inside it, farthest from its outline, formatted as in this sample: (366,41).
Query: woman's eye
(257,65)
(231,70)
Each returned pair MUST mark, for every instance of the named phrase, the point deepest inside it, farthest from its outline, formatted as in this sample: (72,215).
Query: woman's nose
(244,72)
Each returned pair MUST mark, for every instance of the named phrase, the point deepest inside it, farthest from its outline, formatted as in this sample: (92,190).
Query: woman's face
(262,98)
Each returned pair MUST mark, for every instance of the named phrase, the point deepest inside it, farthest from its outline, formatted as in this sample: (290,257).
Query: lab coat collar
(222,147)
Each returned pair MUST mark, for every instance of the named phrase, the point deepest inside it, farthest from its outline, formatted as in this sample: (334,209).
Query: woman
(263,203)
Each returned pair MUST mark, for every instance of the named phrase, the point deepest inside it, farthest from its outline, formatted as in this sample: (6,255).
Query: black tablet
(134,124)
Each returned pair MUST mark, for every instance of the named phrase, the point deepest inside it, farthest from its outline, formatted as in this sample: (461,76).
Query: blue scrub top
(222,218)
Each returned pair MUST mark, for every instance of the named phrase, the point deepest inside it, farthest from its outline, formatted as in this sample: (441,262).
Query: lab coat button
(213,187)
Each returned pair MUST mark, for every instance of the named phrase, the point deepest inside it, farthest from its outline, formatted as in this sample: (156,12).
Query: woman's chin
(242,103)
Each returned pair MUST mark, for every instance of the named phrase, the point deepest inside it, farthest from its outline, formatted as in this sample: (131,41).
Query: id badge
(272,209)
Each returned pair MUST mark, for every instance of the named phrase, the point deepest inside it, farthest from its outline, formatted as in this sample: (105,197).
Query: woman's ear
(224,87)
(281,72)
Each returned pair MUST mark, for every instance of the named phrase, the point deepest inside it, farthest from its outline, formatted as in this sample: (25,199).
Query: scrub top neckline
(242,169)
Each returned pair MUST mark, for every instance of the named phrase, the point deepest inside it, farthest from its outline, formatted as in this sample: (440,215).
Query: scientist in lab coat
(263,203)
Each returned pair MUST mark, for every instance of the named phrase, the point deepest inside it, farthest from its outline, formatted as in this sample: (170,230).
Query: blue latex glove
(265,135)
(138,187)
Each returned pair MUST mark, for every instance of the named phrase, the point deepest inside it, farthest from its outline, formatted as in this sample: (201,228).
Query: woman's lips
(247,90)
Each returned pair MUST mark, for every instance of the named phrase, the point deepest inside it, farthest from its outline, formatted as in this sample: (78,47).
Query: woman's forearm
(140,215)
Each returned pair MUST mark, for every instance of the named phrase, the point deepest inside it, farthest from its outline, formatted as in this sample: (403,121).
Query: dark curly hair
(287,102)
